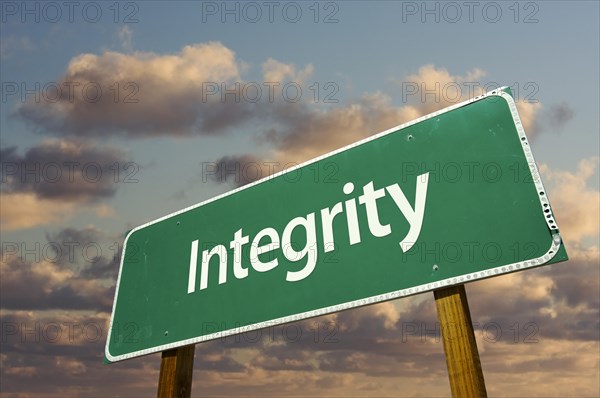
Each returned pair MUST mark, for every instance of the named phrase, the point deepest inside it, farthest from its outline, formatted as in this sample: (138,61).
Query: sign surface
(452,197)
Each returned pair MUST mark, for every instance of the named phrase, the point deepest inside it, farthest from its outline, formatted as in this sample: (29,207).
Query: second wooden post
(462,357)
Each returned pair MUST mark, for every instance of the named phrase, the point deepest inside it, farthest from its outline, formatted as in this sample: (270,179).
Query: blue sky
(366,56)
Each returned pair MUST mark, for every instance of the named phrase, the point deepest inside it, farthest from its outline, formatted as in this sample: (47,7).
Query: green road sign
(452,197)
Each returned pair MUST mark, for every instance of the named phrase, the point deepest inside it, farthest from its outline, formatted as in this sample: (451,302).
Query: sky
(117,113)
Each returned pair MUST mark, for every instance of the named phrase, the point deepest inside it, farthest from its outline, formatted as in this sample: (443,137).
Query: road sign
(452,197)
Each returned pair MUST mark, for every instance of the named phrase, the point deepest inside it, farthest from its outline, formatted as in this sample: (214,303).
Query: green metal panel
(485,213)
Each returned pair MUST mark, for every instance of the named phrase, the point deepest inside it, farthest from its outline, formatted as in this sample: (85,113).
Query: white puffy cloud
(138,94)
(575,202)
(276,71)
(26,210)
(55,179)
(126,37)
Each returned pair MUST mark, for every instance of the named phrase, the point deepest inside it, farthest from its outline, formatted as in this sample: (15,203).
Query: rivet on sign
(435,267)
(166,332)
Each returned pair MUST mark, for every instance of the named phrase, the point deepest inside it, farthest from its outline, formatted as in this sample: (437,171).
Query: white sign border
(542,195)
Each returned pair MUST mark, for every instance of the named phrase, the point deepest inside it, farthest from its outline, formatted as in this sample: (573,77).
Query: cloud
(307,132)
(96,254)
(11,45)
(557,116)
(279,72)
(105,211)
(53,180)
(537,119)
(559,301)
(126,37)
(141,94)
(26,210)
(61,169)
(200,90)
(59,353)
(433,88)
(553,365)
(49,286)
(240,170)
(528,112)
(73,269)
(575,202)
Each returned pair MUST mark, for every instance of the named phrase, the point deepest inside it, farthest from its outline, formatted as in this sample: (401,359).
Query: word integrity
(269,240)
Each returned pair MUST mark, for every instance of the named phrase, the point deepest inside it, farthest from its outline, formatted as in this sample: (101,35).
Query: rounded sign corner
(108,357)
(129,234)
(555,246)
(507,96)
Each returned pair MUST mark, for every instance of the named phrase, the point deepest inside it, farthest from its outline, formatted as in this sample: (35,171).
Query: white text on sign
(268,239)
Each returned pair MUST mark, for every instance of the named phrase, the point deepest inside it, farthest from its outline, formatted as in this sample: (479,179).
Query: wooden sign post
(462,357)
(176,368)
